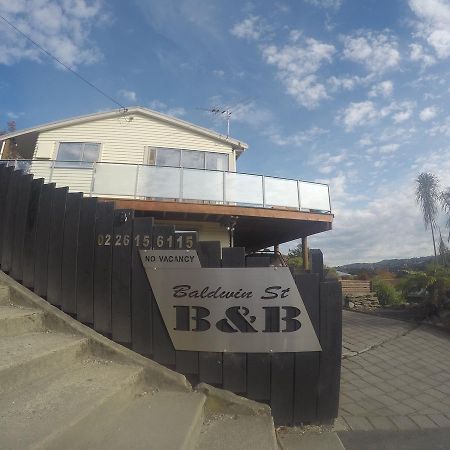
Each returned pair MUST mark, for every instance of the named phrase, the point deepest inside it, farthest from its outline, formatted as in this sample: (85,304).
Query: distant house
(175,171)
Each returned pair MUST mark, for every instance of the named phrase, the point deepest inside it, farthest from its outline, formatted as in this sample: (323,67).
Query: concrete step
(15,320)
(4,295)
(152,421)
(225,432)
(33,355)
(47,406)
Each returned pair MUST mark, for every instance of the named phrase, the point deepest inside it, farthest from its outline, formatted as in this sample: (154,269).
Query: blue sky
(354,93)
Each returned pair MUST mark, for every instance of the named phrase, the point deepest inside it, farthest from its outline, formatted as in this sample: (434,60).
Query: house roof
(238,145)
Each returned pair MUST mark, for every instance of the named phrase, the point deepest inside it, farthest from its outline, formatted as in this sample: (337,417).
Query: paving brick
(354,409)
(384,412)
(387,400)
(423,421)
(340,424)
(440,420)
(401,408)
(404,423)
(414,403)
(358,423)
(382,423)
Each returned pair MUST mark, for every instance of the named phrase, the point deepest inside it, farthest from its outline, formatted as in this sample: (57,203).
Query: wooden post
(305,253)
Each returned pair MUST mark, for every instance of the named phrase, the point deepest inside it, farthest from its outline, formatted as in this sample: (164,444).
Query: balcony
(144,182)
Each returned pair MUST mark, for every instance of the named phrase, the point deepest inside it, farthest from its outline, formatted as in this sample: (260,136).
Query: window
(168,157)
(191,159)
(216,161)
(77,154)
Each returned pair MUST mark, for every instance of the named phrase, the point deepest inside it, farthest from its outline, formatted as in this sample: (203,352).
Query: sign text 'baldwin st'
(249,310)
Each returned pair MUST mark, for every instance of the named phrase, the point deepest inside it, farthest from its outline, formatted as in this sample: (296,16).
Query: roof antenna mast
(218,111)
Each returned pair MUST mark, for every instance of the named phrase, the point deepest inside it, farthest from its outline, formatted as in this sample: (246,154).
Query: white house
(176,171)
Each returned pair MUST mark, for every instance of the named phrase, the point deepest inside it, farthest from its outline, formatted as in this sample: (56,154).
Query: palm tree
(427,196)
(445,202)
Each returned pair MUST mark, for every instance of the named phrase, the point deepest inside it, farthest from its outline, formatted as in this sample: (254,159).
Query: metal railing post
(224,190)
(136,180)
(51,171)
(180,195)
(263,179)
(94,170)
(299,196)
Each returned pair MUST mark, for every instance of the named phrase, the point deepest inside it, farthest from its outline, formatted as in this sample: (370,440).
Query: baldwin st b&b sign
(248,310)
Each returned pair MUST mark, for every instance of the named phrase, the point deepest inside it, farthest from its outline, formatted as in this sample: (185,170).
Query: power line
(62,64)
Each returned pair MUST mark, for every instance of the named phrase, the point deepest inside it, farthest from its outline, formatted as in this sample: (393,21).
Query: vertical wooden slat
(103,266)
(21,212)
(330,357)
(55,246)
(210,363)
(141,293)
(258,261)
(85,261)
(42,238)
(5,179)
(9,220)
(186,362)
(70,253)
(234,364)
(316,260)
(258,364)
(163,350)
(121,276)
(307,363)
(282,388)
(29,249)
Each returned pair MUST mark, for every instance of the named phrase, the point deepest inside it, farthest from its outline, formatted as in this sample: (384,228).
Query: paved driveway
(395,375)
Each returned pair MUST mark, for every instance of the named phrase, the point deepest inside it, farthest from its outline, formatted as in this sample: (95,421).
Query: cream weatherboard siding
(123,140)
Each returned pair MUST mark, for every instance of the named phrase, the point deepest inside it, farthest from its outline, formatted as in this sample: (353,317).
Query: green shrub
(386,293)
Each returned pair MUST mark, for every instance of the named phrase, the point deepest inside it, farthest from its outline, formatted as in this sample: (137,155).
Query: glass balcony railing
(139,181)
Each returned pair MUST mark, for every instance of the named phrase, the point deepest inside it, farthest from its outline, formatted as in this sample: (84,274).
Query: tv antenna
(220,112)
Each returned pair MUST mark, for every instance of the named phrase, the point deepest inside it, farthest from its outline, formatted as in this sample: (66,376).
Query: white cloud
(405,112)
(389,148)
(62,27)
(295,139)
(383,89)
(359,113)
(176,111)
(366,113)
(219,73)
(250,113)
(334,4)
(327,163)
(377,52)
(417,53)
(297,65)
(433,24)
(442,128)
(251,28)
(344,83)
(129,96)
(428,113)
(14,115)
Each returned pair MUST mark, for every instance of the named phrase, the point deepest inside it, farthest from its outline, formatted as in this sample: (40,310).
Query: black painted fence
(82,255)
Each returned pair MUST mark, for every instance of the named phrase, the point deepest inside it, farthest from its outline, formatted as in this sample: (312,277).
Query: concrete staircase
(63,386)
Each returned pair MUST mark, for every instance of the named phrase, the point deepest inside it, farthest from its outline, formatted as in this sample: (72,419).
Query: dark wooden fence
(81,255)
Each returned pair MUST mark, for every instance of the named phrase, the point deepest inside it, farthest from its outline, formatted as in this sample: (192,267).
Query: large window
(77,154)
(192,159)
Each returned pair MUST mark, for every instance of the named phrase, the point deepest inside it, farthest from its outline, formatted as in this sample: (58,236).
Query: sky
(353,93)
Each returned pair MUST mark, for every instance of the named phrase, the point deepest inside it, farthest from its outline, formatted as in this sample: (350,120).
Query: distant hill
(392,265)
